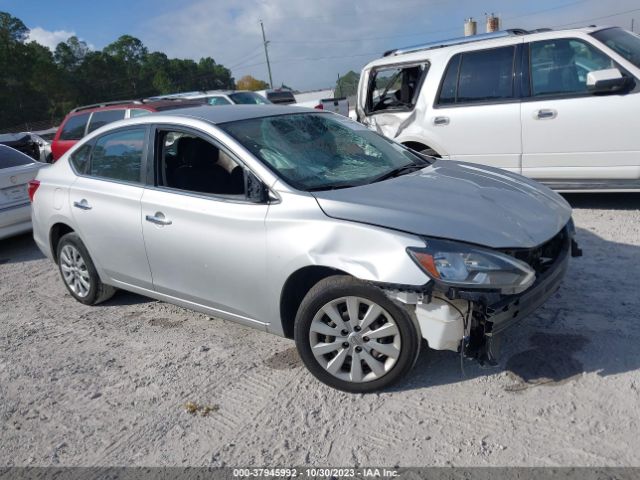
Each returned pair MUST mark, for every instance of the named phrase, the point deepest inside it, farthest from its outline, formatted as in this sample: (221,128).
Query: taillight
(319,107)
(31,189)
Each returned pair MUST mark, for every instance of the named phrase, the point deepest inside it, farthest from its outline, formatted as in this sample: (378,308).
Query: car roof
(142,104)
(232,113)
(446,46)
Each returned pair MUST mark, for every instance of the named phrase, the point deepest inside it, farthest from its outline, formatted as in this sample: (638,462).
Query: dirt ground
(139,382)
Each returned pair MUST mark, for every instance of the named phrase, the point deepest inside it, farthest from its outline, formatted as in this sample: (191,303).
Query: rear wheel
(78,272)
(351,336)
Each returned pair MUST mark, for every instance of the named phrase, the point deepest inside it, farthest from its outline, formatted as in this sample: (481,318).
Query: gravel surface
(140,382)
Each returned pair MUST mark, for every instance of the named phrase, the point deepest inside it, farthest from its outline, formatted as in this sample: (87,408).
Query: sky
(311,42)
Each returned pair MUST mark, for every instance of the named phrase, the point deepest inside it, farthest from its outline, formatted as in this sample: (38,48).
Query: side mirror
(257,192)
(608,80)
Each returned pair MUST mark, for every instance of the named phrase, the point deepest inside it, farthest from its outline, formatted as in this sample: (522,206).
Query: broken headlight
(459,265)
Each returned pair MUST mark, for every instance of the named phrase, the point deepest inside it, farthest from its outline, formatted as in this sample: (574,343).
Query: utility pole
(632,24)
(266,54)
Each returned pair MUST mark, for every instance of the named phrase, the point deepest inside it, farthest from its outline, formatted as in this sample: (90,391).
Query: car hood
(458,201)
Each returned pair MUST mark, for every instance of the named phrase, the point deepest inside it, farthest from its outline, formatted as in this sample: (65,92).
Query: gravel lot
(109,385)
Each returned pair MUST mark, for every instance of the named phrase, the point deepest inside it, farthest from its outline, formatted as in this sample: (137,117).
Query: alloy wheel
(74,271)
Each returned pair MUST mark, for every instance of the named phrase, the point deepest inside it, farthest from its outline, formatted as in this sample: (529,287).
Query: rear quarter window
(74,127)
(80,158)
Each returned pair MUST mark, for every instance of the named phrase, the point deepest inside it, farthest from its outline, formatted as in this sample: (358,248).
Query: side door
(391,97)
(105,201)
(570,134)
(476,114)
(205,239)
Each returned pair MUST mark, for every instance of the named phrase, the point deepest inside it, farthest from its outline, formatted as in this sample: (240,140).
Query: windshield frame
(413,158)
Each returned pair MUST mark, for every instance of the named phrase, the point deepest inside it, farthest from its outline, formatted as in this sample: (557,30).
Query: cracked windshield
(317,152)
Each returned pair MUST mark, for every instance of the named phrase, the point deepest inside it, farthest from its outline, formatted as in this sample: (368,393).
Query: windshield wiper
(332,186)
(396,172)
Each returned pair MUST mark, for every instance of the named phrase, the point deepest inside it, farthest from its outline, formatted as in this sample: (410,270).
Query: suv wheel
(78,272)
(351,336)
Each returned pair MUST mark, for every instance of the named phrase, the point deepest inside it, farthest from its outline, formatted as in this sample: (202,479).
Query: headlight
(460,265)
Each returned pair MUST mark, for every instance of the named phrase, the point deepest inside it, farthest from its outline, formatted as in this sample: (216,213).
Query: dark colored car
(83,120)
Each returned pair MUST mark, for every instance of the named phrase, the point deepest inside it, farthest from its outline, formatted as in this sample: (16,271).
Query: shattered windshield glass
(315,151)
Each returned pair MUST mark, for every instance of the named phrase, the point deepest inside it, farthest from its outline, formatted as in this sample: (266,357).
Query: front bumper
(510,310)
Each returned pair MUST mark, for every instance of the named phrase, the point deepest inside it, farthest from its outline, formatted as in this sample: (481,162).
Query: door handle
(82,205)
(158,219)
(441,121)
(545,114)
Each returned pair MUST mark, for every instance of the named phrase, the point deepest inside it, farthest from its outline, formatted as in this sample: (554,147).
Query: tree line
(38,85)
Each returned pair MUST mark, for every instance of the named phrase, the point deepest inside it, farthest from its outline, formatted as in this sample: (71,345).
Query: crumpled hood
(458,201)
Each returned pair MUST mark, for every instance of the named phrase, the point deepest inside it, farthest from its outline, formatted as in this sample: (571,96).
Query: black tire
(430,152)
(97,292)
(339,286)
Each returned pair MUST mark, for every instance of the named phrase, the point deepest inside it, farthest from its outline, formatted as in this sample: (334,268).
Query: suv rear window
(73,128)
(13,158)
(480,76)
(281,97)
(102,117)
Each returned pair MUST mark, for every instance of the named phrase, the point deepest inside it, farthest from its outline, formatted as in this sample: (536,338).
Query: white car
(556,106)
(221,97)
(16,171)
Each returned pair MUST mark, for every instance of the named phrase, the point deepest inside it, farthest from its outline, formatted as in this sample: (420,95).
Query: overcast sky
(312,41)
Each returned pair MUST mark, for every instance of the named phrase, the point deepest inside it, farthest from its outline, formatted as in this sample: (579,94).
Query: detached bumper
(512,309)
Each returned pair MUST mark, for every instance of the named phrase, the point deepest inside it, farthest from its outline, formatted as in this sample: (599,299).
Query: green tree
(347,85)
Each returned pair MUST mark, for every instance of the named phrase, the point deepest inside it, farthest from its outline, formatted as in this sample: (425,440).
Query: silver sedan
(307,225)
(16,171)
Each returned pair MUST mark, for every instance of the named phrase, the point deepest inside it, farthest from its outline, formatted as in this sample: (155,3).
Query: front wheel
(78,272)
(352,337)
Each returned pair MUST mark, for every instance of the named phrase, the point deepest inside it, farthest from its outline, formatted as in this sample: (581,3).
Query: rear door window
(118,155)
(10,157)
(481,76)
(74,127)
(395,88)
(103,117)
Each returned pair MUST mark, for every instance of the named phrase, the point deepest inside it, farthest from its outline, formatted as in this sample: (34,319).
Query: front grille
(542,257)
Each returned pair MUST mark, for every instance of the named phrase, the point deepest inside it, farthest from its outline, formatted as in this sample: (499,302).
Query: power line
(599,18)
(360,39)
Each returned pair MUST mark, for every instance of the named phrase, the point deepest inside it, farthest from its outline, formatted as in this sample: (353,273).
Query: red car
(84,120)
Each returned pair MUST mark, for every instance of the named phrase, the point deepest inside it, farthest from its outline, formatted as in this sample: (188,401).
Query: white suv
(557,106)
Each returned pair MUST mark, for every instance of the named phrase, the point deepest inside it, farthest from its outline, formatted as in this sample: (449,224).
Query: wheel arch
(56,232)
(294,290)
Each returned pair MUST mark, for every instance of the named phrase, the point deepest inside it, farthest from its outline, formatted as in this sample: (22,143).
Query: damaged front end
(468,313)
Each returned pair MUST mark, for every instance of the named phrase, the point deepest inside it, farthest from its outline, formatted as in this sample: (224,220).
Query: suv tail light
(31,189)
(319,107)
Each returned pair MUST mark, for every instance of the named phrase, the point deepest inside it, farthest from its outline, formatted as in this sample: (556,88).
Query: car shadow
(21,248)
(607,201)
(591,325)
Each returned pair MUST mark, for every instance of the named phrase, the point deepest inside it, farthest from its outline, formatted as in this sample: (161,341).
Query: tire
(430,152)
(329,343)
(79,274)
